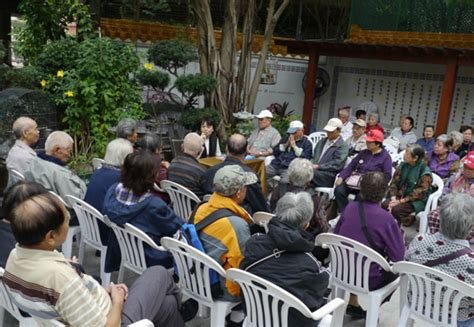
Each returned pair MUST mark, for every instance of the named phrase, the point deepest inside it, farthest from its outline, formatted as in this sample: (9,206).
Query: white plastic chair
(431,204)
(268,304)
(97,163)
(392,151)
(131,240)
(16,175)
(7,304)
(316,137)
(183,199)
(400,158)
(434,296)
(66,248)
(350,266)
(262,218)
(193,269)
(89,218)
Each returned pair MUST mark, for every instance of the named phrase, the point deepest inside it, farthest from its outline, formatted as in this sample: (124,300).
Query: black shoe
(189,309)
(356,312)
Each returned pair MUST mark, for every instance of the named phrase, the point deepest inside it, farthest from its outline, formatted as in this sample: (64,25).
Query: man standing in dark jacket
(236,151)
(283,256)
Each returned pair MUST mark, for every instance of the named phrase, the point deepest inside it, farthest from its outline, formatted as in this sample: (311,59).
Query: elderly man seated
(26,134)
(186,169)
(330,155)
(284,255)
(225,238)
(295,145)
(127,129)
(448,250)
(43,283)
(236,148)
(51,171)
(265,137)
(346,129)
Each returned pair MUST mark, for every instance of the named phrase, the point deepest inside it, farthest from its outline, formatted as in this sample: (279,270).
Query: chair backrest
(316,137)
(183,199)
(97,163)
(193,269)
(131,240)
(434,295)
(436,195)
(262,218)
(66,204)
(266,303)
(399,159)
(17,176)
(88,217)
(350,261)
(5,300)
(392,151)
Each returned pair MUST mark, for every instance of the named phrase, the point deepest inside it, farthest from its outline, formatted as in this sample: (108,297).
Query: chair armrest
(142,323)
(327,308)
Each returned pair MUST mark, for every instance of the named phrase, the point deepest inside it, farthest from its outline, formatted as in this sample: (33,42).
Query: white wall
(396,88)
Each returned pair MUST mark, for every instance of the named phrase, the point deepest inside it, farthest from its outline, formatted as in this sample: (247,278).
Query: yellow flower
(69,94)
(148,66)
(60,73)
(43,82)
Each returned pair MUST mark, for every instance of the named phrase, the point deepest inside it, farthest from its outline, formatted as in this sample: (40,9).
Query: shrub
(191,117)
(96,92)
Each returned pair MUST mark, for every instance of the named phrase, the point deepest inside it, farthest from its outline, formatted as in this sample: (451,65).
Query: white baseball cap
(264,114)
(333,124)
(294,125)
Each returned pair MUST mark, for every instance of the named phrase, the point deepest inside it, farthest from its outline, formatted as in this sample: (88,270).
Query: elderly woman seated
(151,142)
(442,160)
(127,129)
(374,158)
(300,174)
(448,250)
(131,201)
(410,186)
(373,123)
(109,173)
(284,255)
(461,182)
(366,222)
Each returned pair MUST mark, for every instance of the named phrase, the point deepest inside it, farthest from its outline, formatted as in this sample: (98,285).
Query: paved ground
(389,312)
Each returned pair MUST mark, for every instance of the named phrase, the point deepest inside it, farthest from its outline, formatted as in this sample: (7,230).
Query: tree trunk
(272,19)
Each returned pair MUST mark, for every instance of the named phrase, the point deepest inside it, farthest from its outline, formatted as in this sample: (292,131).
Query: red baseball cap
(374,135)
(468,160)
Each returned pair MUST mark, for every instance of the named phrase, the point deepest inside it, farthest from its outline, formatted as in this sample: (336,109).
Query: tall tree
(233,93)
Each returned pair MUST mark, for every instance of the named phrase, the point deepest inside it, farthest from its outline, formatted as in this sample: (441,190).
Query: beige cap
(264,114)
(360,122)
(333,124)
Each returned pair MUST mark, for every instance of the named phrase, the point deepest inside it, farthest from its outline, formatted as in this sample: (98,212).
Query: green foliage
(96,92)
(47,21)
(172,54)
(192,86)
(153,78)
(26,77)
(191,117)
(281,123)
(59,55)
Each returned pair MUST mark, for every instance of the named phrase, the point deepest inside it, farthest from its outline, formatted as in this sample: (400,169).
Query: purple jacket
(365,161)
(382,227)
(442,169)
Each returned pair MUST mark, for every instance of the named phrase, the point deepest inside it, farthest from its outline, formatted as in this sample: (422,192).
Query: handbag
(326,210)
(353,181)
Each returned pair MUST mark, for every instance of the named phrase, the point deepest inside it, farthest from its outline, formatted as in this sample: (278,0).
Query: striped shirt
(188,172)
(43,284)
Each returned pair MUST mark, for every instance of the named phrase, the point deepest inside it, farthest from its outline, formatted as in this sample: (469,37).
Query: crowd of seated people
(124,190)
